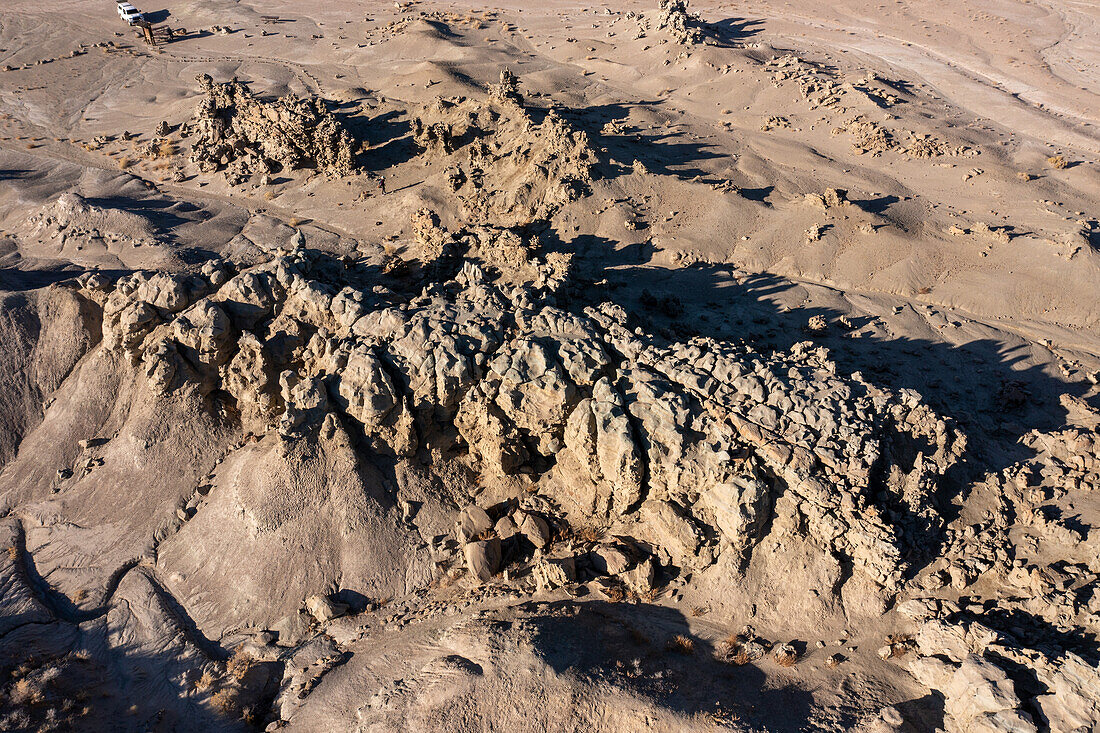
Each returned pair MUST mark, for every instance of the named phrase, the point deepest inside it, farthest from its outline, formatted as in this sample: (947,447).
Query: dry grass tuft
(206,681)
(740,658)
(26,692)
(124,163)
(239,664)
(224,701)
(682,645)
(785,655)
(1057,162)
(588,534)
(162,149)
(13,552)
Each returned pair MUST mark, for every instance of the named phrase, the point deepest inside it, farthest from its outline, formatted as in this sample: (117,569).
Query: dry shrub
(1057,162)
(733,651)
(163,149)
(26,692)
(899,645)
(224,701)
(645,596)
(785,655)
(588,534)
(296,221)
(740,658)
(13,552)
(239,663)
(682,645)
(124,163)
(206,681)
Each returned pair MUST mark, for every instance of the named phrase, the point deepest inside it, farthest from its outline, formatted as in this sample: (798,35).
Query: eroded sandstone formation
(242,136)
(507,169)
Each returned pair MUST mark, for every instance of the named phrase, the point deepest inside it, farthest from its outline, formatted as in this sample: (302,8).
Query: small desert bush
(26,692)
(1057,162)
(124,163)
(206,681)
(239,664)
(224,701)
(785,655)
(588,534)
(740,658)
(682,645)
(163,149)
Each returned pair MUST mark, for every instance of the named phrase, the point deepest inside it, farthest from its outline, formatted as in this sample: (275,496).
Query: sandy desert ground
(551,367)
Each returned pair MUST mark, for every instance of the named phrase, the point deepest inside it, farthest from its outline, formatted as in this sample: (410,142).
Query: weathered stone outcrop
(507,169)
(687,444)
(679,23)
(243,136)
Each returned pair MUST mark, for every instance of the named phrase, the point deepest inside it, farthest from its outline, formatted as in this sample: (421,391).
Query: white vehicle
(129,13)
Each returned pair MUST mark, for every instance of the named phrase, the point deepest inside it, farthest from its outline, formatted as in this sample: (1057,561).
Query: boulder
(555,572)
(609,559)
(323,608)
(472,522)
(483,558)
(533,527)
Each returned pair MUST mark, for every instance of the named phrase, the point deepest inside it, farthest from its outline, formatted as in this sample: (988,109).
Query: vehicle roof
(126,6)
